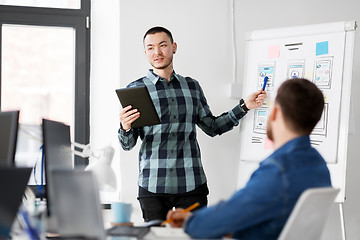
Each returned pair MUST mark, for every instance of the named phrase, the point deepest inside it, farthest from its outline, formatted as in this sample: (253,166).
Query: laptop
(13,182)
(78,210)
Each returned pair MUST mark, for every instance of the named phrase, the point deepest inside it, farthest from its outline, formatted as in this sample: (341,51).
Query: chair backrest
(308,218)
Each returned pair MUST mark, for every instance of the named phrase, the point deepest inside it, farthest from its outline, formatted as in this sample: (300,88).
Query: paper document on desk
(168,233)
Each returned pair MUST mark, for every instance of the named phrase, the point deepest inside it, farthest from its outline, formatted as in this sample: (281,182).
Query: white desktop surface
(166,233)
(155,233)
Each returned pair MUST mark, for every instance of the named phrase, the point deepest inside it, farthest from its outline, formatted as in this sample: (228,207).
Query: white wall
(202,30)
(204,53)
(104,78)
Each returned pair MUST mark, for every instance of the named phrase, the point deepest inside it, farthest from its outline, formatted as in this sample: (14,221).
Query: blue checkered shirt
(169,157)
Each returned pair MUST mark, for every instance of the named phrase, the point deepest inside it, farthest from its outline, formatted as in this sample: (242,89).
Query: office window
(38,74)
(38,79)
(72,4)
(44,63)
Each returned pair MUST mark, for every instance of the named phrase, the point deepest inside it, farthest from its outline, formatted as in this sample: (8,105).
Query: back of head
(159,29)
(302,104)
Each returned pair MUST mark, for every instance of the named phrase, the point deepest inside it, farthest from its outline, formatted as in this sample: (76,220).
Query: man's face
(159,50)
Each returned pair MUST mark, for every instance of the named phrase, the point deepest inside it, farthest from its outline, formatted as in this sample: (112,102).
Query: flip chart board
(322,53)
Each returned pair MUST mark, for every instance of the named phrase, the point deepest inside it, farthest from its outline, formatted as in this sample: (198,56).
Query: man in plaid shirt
(170,168)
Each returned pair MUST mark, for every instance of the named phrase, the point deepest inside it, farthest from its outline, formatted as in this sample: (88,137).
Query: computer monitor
(9,122)
(13,182)
(57,151)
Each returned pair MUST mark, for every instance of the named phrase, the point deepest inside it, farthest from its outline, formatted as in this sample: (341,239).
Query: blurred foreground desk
(148,233)
(154,232)
(166,233)
(160,233)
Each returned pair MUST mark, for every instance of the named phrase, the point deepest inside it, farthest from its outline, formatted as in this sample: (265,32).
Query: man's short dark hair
(302,104)
(159,29)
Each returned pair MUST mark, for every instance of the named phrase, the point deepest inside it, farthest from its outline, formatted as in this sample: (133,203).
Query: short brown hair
(302,104)
(158,29)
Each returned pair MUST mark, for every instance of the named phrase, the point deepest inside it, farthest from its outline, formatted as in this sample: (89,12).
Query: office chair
(308,218)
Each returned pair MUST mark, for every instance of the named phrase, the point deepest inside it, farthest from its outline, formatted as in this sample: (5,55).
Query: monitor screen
(57,151)
(12,187)
(9,122)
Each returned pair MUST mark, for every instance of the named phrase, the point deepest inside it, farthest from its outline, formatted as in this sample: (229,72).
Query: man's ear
(174,47)
(274,113)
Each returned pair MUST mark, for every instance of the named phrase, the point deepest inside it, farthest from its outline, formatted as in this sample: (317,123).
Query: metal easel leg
(342,221)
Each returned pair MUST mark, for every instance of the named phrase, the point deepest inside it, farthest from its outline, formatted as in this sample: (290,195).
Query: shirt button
(171,169)
(174,117)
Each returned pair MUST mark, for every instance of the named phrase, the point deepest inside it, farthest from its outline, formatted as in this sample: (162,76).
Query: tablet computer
(139,98)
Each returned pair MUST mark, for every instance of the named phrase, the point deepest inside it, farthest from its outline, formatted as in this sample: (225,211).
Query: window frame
(79,19)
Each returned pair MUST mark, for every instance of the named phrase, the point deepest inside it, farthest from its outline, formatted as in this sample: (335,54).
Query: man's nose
(157,50)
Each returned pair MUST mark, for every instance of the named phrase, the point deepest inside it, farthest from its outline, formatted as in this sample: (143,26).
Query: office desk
(166,233)
(155,233)
(149,233)
(161,233)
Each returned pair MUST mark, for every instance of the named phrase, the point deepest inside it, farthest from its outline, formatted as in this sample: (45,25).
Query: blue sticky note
(322,48)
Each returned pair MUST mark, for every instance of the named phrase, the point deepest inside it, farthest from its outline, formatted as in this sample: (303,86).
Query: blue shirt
(261,208)
(169,157)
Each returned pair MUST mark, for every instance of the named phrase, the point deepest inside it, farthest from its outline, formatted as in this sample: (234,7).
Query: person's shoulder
(137,83)
(277,161)
(286,161)
(273,161)
(191,82)
(189,79)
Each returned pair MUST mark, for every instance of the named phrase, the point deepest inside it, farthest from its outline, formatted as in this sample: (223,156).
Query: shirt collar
(155,78)
(296,143)
(302,142)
